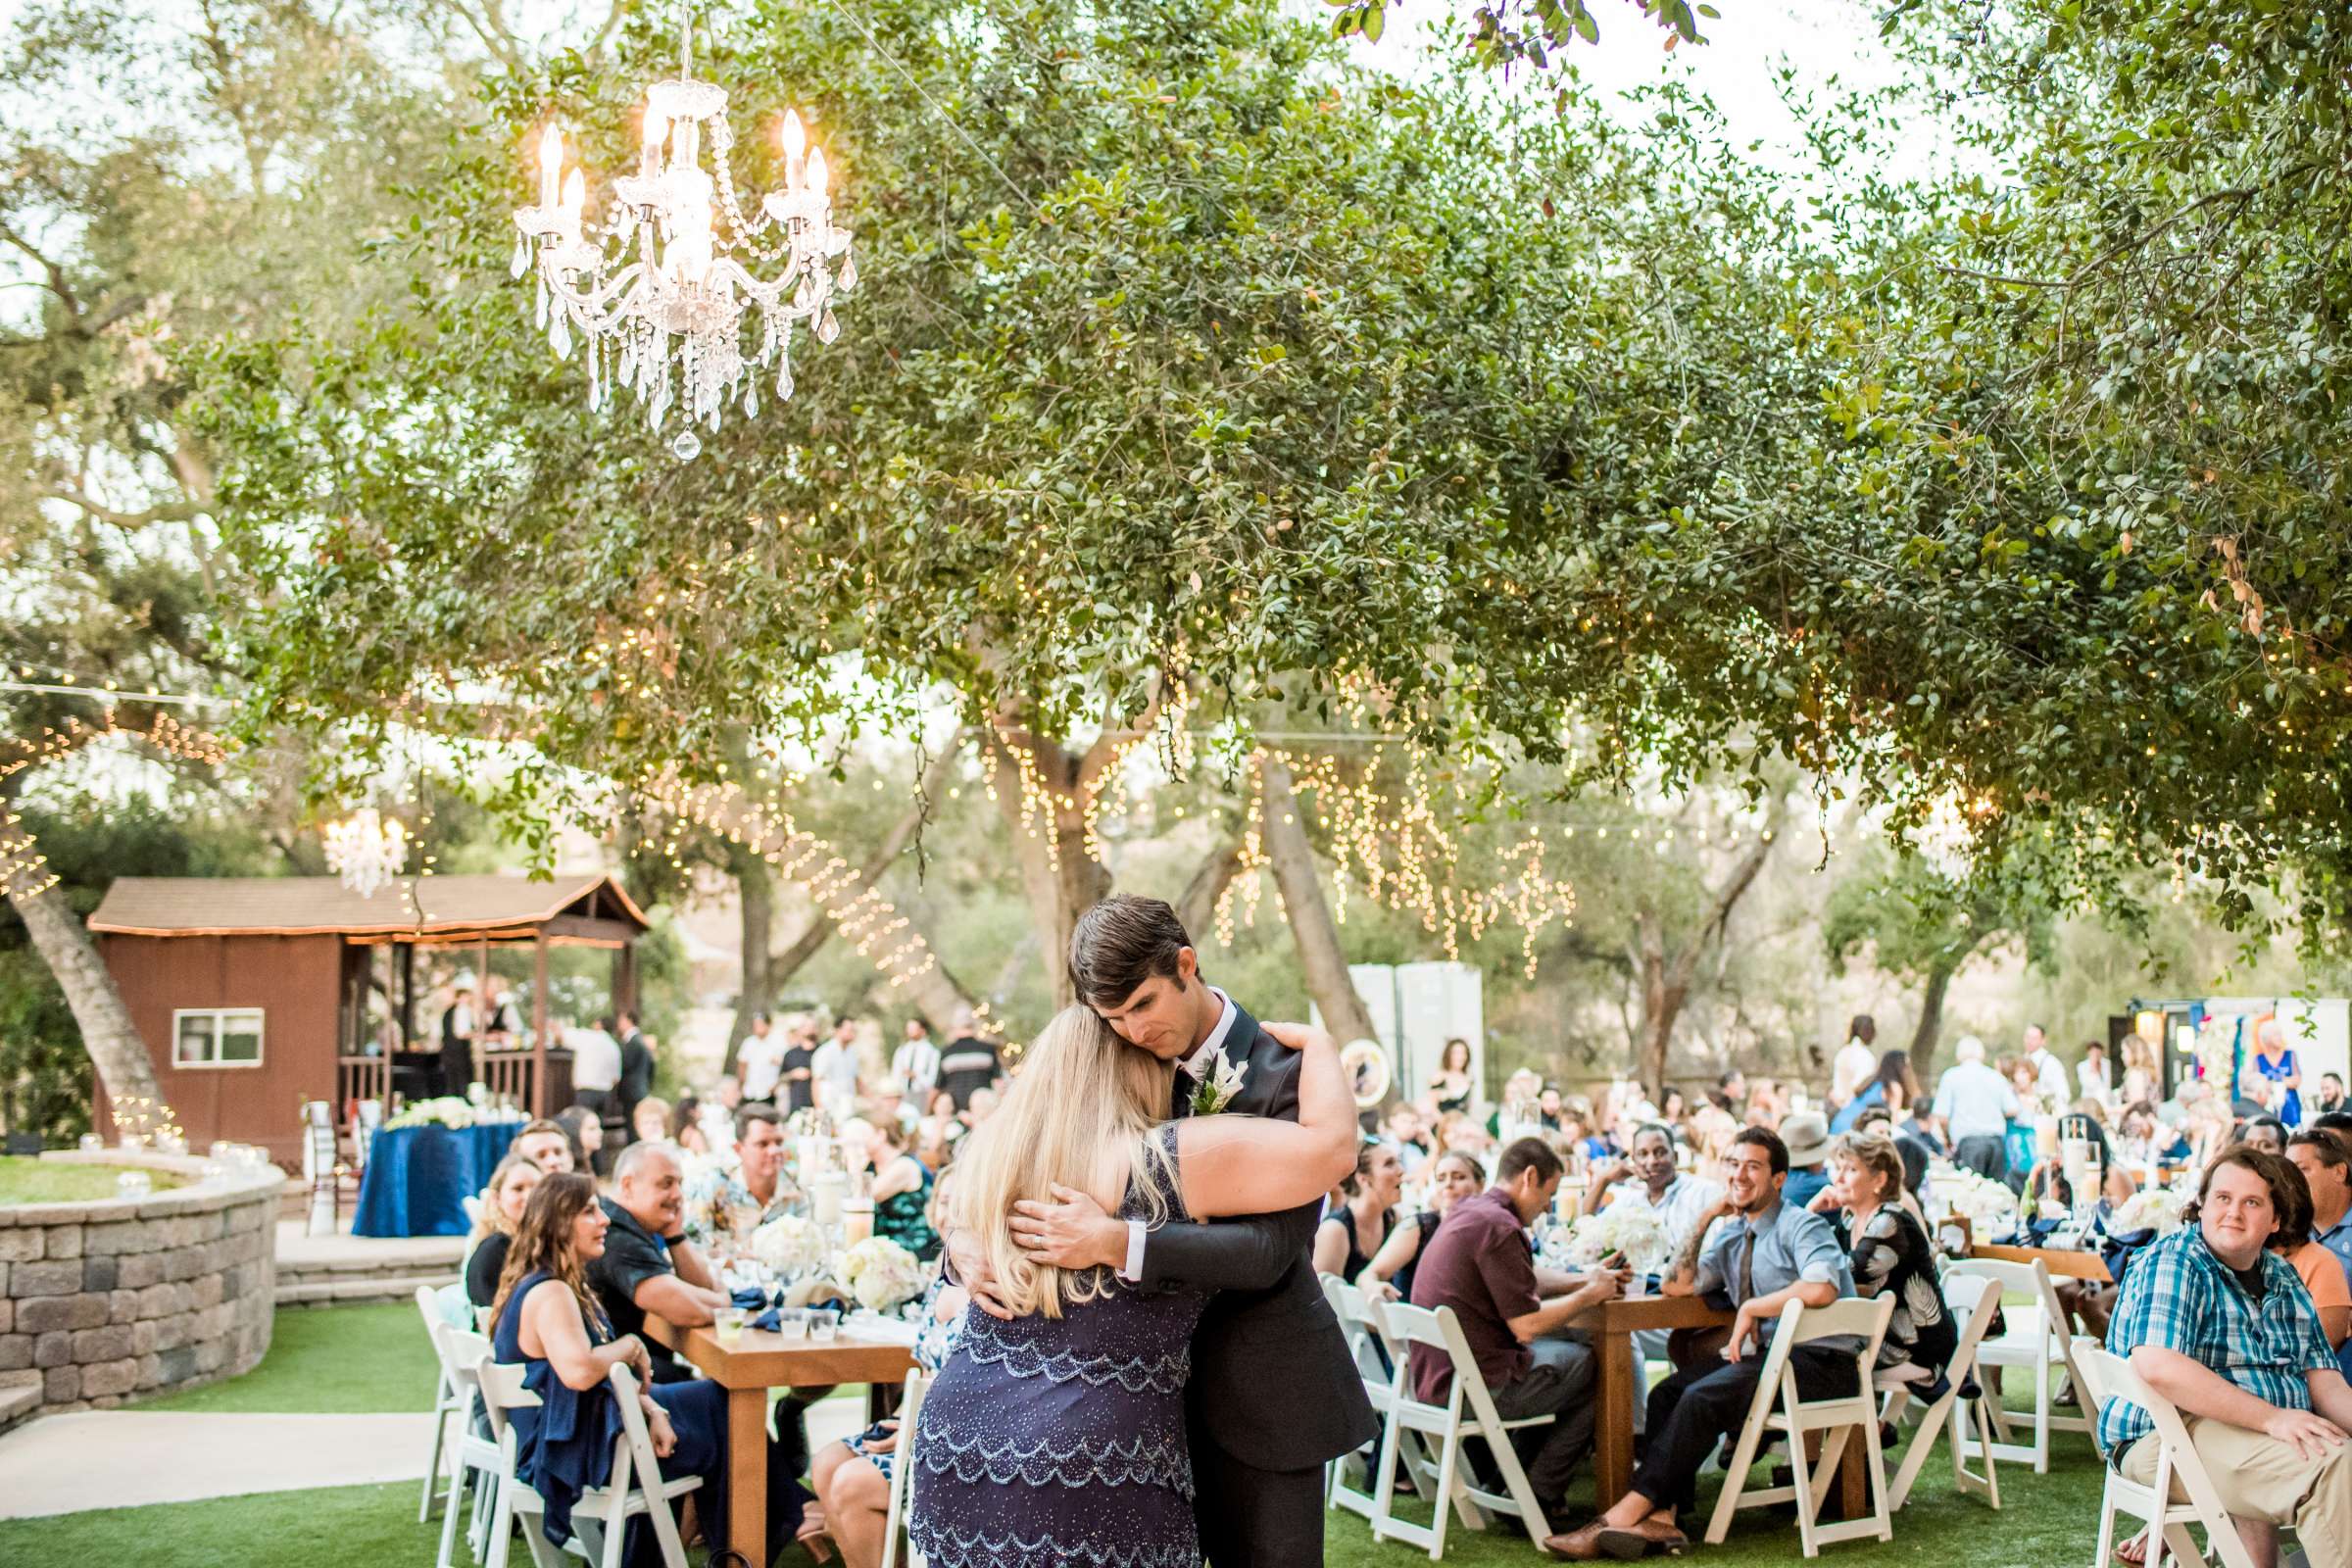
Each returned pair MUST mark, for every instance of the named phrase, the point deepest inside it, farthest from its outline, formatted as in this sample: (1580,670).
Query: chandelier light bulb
(665,289)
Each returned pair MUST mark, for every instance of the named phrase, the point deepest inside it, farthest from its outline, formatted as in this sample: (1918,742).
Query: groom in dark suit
(1273,1393)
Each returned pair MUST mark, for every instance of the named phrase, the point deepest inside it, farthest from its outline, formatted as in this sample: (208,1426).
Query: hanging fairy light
(367,849)
(669,318)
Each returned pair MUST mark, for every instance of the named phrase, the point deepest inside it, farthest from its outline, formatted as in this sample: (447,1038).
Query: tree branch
(169,511)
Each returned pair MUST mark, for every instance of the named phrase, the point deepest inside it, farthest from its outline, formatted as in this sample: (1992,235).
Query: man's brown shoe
(1577,1545)
(1641,1540)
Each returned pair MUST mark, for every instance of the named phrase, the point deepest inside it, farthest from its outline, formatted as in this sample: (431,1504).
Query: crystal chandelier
(669,318)
(367,849)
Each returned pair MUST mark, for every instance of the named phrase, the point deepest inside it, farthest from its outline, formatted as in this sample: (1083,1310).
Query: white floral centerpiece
(2153,1208)
(789,1246)
(1990,1206)
(1634,1232)
(448,1111)
(881,1274)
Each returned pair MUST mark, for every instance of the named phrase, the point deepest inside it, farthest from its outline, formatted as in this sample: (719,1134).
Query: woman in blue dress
(547,1320)
(2275,1060)
(1057,1438)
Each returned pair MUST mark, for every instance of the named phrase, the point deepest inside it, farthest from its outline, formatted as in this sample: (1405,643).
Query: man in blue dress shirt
(1762,1253)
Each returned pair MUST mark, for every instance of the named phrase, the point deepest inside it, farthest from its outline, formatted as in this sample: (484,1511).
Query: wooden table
(1617,1384)
(755,1363)
(2063,1263)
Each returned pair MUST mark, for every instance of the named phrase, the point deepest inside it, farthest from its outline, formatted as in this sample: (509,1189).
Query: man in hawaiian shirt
(724,1208)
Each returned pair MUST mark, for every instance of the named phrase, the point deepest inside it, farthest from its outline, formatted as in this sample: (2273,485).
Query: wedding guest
(1767,1105)
(595,1070)
(584,1133)
(2315,1266)
(902,1191)
(1450,1087)
(651,1124)
(1354,1231)
(1673,1108)
(2281,1075)
(1453,1176)
(886,1103)
(852,1475)
(550,1321)
(1548,1108)
(726,1207)
(1407,1133)
(2328,1174)
(1888,1251)
(1855,1061)
(2094,1075)
(969,1063)
(761,1060)
(1730,1094)
(915,1065)
(2265,1133)
(1479,1264)
(1807,1139)
(636,1081)
(503,1203)
(545,1145)
(835,1067)
(2224,1329)
(687,1124)
(1678,1199)
(1514,1115)
(798,1073)
(2331,1095)
(1975,1103)
(2049,1073)
(983,1105)
(1765,1255)
(458,1026)
(648,1263)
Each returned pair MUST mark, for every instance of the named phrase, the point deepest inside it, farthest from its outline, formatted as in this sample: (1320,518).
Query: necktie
(1748,1269)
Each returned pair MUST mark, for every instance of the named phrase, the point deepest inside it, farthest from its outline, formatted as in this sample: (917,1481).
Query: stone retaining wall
(119,1299)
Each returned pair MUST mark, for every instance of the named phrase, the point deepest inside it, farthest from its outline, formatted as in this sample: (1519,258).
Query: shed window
(217,1036)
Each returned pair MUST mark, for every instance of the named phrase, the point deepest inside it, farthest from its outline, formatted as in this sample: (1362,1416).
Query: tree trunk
(124,1069)
(1312,928)
(756,898)
(1924,1039)
(1667,974)
(1196,909)
(1044,805)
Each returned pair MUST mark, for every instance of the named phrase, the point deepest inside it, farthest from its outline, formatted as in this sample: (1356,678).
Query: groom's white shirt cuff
(1193,1067)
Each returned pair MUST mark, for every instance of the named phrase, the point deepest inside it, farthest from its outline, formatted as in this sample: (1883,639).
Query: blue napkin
(768,1321)
(750,1298)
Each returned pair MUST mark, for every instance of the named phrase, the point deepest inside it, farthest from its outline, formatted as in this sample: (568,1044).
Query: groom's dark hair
(1120,943)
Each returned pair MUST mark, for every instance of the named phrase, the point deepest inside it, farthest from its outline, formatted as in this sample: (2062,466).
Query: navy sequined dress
(1059,1443)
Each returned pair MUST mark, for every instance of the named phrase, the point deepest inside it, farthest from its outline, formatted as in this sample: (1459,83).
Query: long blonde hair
(492,1220)
(1082,1094)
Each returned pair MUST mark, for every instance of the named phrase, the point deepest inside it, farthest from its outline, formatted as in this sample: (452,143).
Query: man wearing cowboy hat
(1807,1135)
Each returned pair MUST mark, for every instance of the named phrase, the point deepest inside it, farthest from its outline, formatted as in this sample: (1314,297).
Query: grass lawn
(375,1358)
(25,1180)
(342,1360)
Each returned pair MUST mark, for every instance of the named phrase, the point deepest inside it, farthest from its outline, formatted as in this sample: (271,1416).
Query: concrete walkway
(127,1459)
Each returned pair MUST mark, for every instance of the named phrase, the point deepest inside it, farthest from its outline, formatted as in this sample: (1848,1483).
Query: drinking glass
(824,1324)
(728,1323)
(791,1322)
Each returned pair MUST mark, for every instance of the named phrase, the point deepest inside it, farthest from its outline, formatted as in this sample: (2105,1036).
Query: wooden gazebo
(252,993)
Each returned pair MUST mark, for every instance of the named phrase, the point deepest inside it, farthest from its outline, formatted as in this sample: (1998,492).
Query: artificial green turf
(25,1180)
(337,1360)
(2044,1520)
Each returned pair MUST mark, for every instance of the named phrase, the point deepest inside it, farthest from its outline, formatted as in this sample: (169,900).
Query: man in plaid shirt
(2221,1326)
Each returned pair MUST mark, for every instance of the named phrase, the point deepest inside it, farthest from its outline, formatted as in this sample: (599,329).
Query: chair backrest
(1354,1309)
(429,1307)
(1440,1330)
(1857,1317)
(501,1383)
(1973,1301)
(2027,1279)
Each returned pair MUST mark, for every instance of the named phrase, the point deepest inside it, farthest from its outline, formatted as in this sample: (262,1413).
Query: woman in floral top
(1890,1253)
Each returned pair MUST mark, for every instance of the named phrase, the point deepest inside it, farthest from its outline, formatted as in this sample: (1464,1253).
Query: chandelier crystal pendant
(367,849)
(658,293)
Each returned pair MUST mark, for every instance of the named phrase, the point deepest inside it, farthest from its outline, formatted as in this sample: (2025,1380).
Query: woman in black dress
(1453,1176)
(1352,1233)
(1890,1253)
(503,1203)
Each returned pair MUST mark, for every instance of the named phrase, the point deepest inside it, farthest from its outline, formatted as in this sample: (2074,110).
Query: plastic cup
(824,1324)
(728,1323)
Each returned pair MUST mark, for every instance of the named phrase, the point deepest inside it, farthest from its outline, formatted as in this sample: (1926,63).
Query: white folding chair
(445,1399)
(600,1519)
(1368,1342)
(1973,1300)
(1836,1419)
(463,1353)
(902,1471)
(1454,1480)
(2107,1376)
(320,1167)
(2039,1342)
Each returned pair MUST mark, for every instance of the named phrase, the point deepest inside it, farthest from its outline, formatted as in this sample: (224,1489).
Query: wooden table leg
(1853,1478)
(1613,1424)
(747,1473)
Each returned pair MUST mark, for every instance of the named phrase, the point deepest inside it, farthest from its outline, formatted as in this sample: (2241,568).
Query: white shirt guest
(835,1066)
(2049,1073)
(762,1060)
(1856,1062)
(595,1060)
(915,1065)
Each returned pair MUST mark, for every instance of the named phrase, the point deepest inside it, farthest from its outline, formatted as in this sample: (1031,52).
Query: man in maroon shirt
(1479,1264)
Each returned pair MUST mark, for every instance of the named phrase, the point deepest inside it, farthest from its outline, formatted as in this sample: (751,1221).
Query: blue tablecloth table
(417,1178)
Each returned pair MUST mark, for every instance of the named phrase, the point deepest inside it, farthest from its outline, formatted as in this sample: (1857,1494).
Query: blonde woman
(503,1203)
(1057,1435)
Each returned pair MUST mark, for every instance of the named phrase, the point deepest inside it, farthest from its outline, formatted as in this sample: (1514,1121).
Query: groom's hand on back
(1070,1232)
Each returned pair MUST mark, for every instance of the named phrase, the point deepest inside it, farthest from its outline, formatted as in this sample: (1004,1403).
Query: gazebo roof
(447,907)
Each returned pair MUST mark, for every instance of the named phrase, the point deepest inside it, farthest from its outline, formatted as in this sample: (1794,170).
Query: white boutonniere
(1218,1085)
